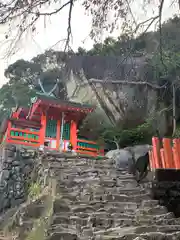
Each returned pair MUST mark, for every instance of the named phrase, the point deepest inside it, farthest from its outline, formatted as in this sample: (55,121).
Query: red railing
(89,148)
(32,138)
(23,136)
(167,156)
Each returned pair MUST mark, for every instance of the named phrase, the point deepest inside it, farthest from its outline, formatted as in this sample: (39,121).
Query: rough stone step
(98,202)
(108,222)
(149,203)
(145,236)
(62,236)
(160,217)
(156,210)
(123,197)
(157,228)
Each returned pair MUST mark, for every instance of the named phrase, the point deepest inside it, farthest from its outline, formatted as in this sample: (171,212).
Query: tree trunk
(174,109)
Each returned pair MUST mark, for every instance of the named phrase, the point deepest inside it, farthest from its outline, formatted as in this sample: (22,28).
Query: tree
(24,71)
(12,95)
(24,78)
(26,13)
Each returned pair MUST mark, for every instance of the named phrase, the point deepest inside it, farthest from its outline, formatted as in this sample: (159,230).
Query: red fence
(165,154)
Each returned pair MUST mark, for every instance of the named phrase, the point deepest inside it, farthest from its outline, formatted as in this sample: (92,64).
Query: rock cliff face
(96,80)
(84,198)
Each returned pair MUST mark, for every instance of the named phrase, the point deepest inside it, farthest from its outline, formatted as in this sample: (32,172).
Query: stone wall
(16,167)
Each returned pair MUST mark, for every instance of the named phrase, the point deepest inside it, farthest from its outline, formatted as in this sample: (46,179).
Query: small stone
(18,186)
(9,159)
(4,175)
(6,203)
(15,163)
(17,169)
(27,170)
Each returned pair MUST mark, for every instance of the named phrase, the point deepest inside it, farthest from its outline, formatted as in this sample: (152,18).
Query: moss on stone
(34,190)
(40,226)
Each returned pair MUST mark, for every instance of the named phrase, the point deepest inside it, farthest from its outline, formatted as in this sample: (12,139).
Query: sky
(49,32)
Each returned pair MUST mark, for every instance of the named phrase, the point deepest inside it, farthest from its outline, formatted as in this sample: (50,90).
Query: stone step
(145,236)
(123,197)
(109,221)
(156,210)
(98,202)
(62,236)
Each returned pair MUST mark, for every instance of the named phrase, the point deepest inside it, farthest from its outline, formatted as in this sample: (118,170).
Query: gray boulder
(124,158)
(139,150)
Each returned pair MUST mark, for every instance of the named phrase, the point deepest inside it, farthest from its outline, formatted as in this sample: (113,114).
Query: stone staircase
(95,201)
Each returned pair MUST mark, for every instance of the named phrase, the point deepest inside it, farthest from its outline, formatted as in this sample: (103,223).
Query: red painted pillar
(73,134)
(43,129)
(58,135)
(9,126)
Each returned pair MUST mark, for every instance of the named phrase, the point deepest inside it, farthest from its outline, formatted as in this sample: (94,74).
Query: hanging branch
(124,82)
(27,13)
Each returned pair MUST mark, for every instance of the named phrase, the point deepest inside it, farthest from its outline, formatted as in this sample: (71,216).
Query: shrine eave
(51,104)
(64,105)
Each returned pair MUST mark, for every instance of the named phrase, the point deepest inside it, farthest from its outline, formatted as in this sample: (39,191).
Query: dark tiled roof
(64,103)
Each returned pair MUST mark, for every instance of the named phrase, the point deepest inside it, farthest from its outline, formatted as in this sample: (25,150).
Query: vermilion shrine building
(49,123)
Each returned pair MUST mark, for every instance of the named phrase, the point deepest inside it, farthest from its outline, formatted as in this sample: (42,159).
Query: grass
(34,190)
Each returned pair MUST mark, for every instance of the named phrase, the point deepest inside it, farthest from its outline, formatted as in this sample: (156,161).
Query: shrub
(139,135)
(34,190)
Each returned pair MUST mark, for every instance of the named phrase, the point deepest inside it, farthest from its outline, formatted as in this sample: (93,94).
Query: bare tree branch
(124,82)
(69,32)
(25,14)
(160,33)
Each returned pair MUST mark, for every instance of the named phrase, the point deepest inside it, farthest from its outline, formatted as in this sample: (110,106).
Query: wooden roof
(53,104)
(64,103)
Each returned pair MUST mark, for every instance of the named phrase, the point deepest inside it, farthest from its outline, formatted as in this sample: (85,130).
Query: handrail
(28,138)
(24,131)
(167,156)
(88,149)
(86,141)
(24,138)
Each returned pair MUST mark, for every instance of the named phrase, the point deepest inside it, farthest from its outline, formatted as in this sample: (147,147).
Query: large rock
(124,158)
(139,150)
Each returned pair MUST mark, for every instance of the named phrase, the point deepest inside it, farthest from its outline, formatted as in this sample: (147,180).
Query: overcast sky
(48,33)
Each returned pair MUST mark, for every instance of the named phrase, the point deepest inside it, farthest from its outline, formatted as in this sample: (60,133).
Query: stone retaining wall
(15,174)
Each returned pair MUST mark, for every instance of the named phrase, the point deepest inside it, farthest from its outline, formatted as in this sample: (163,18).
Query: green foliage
(125,137)
(39,229)
(110,47)
(34,190)
(13,94)
(166,65)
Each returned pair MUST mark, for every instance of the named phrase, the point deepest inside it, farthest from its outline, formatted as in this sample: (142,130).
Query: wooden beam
(33,109)
(58,133)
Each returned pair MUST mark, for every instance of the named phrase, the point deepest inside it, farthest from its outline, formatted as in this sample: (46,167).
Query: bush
(34,190)
(128,137)
(139,135)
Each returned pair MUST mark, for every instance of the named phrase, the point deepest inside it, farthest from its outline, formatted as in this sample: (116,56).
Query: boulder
(139,150)
(122,157)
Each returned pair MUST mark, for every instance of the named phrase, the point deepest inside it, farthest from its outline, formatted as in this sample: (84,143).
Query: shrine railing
(23,136)
(89,148)
(165,154)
